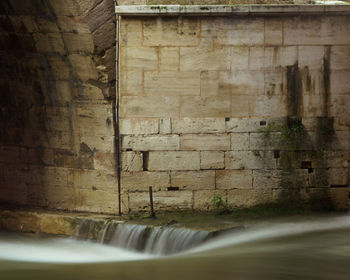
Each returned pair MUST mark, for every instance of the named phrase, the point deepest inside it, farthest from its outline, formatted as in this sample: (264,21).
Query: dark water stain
(294,90)
(326,80)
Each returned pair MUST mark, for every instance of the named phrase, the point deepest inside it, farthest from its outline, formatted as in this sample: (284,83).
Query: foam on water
(63,251)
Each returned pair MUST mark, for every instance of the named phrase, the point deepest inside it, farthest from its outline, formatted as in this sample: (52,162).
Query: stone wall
(250,109)
(57,65)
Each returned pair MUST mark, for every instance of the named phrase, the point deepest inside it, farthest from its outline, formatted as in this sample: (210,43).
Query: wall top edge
(239,10)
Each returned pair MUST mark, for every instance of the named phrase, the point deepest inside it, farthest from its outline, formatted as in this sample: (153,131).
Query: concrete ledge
(239,10)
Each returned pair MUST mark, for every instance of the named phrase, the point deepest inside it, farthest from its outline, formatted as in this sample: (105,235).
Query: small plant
(219,204)
(326,130)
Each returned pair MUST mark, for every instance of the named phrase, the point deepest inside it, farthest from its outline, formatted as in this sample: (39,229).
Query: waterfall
(152,240)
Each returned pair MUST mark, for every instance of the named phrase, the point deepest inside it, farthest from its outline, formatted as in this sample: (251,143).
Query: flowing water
(313,249)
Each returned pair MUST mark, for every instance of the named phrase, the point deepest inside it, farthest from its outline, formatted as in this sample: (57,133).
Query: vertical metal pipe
(116,109)
(151,202)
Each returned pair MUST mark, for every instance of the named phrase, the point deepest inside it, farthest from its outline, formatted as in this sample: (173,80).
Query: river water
(312,249)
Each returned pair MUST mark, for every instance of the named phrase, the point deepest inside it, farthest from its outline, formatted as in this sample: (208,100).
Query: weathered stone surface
(239,141)
(164,200)
(85,68)
(198,125)
(172,83)
(139,126)
(148,107)
(169,59)
(133,58)
(265,141)
(165,126)
(248,198)
(174,160)
(193,180)
(241,82)
(198,59)
(234,179)
(131,32)
(171,31)
(340,198)
(203,142)
(316,31)
(311,56)
(131,82)
(212,160)
(132,161)
(235,31)
(273,31)
(205,107)
(339,82)
(249,160)
(141,181)
(203,199)
(91,180)
(151,143)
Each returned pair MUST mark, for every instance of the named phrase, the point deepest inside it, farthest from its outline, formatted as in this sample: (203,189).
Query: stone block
(78,42)
(49,43)
(165,126)
(151,143)
(234,179)
(249,160)
(339,104)
(193,180)
(204,59)
(209,83)
(296,178)
(202,142)
(241,105)
(139,126)
(132,161)
(250,197)
(141,181)
(169,59)
(311,57)
(205,107)
(198,125)
(273,31)
(212,160)
(70,24)
(104,144)
(339,82)
(239,141)
(273,83)
(280,56)
(95,180)
(241,83)
(138,58)
(131,82)
(105,162)
(84,67)
(150,106)
(169,31)
(338,176)
(265,141)
(174,160)
(256,58)
(235,30)
(325,30)
(163,200)
(171,83)
(96,202)
(339,198)
(268,106)
(203,199)
(59,68)
(340,57)
(130,32)
(254,124)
